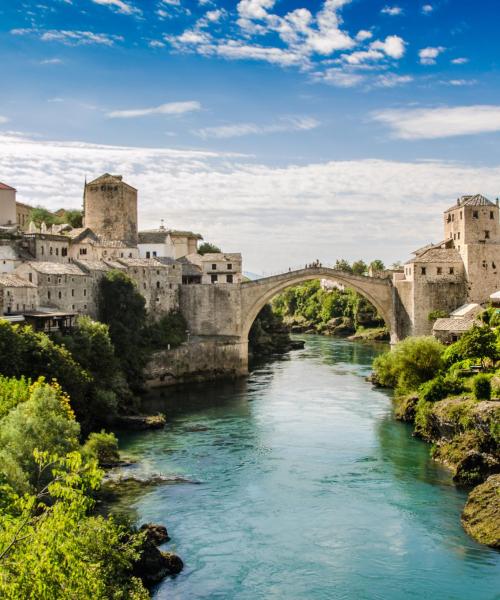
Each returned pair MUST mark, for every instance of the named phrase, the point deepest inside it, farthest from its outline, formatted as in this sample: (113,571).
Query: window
(144,285)
(453,217)
(73,293)
(59,295)
(492,216)
(493,265)
(475,214)
(30,277)
(461,215)
(486,235)
(121,254)
(458,235)
(83,251)
(43,250)
(130,254)
(154,253)
(454,236)
(57,251)
(148,254)
(157,285)
(229,278)
(452,270)
(48,278)
(84,292)
(213,278)
(440,270)
(448,219)
(214,267)
(51,251)
(48,295)
(59,280)
(64,252)
(229,267)
(422,270)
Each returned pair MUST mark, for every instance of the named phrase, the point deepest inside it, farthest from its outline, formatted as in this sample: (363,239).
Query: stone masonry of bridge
(225,314)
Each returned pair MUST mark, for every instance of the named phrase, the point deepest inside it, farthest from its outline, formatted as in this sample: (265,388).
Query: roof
(108,178)
(92,265)
(153,236)
(495,296)
(10,280)
(165,260)
(54,268)
(476,200)
(209,256)
(189,268)
(78,233)
(179,233)
(451,324)
(4,186)
(140,262)
(467,310)
(440,255)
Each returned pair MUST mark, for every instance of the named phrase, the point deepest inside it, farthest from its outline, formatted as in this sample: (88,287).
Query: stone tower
(110,209)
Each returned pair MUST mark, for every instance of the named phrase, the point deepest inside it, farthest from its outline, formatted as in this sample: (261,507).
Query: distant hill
(251,276)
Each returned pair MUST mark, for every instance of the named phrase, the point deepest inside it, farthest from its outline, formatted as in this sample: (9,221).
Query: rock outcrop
(481,515)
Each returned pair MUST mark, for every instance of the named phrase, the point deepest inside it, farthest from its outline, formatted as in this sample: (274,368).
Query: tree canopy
(208,248)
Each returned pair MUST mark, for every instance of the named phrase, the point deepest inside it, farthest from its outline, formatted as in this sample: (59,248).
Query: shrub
(437,314)
(424,420)
(169,330)
(481,386)
(103,447)
(434,390)
(478,343)
(411,362)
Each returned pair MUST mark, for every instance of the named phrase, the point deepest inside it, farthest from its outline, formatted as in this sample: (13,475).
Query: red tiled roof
(4,186)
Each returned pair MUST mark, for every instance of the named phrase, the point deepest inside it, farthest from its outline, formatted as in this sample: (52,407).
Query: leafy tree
(170,329)
(41,215)
(122,308)
(377,265)
(51,548)
(208,248)
(103,447)
(479,343)
(342,265)
(481,386)
(359,267)
(410,363)
(73,217)
(44,422)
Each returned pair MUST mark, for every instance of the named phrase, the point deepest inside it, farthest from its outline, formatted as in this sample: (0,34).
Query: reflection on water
(309,490)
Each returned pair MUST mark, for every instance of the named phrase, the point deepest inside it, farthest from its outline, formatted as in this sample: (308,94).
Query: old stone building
(7,205)
(17,294)
(110,209)
(460,269)
(218,267)
(167,243)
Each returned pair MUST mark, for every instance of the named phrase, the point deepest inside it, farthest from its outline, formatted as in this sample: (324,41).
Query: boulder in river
(155,533)
(154,565)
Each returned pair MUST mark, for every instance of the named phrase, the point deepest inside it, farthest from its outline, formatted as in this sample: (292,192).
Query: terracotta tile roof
(4,186)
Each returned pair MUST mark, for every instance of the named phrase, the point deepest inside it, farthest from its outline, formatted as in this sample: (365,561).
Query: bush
(169,330)
(481,386)
(437,314)
(103,447)
(440,387)
(410,363)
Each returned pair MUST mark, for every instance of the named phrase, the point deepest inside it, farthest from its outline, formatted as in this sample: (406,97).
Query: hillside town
(50,274)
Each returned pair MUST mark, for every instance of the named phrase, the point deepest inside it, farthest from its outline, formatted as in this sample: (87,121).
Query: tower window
(486,235)
(423,270)
(229,267)
(440,270)
(458,235)
(492,216)
(213,278)
(214,267)
(475,214)
(461,215)
(452,270)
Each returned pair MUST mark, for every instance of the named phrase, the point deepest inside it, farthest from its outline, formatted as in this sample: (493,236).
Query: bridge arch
(256,294)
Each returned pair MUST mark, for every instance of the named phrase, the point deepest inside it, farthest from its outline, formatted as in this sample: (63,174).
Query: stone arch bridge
(221,315)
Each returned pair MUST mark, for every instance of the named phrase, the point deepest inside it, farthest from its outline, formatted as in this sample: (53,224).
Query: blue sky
(275,127)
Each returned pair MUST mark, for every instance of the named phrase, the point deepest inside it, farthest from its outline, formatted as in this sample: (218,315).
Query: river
(308,489)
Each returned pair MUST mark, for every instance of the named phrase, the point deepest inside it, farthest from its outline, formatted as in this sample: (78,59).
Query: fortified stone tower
(110,209)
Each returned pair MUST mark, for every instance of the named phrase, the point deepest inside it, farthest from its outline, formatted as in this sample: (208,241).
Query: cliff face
(481,515)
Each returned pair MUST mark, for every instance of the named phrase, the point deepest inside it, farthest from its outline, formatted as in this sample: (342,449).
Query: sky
(288,130)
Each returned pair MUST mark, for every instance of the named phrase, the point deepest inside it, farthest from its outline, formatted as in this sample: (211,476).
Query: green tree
(51,548)
(73,217)
(342,265)
(359,267)
(122,308)
(169,330)
(41,215)
(208,248)
(478,343)
(377,265)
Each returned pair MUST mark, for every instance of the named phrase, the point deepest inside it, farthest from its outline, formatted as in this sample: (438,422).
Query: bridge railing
(304,267)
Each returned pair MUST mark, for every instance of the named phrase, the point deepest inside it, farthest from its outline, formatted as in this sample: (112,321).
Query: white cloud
(156,44)
(393,45)
(287,124)
(362,56)
(260,210)
(460,61)
(392,11)
(460,82)
(3,120)
(51,61)
(427,9)
(255,9)
(433,123)
(70,38)
(340,78)
(363,35)
(171,108)
(391,80)
(119,6)
(429,55)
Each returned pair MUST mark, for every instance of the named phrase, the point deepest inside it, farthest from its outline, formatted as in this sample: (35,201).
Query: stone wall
(200,359)
(212,309)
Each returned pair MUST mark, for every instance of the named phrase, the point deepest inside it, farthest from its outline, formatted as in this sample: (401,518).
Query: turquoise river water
(308,489)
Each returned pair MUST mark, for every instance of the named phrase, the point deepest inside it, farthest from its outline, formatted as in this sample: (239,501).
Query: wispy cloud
(51,61)
(3,120)
(433,123)
(170,108)
(70,38)
(460,61)
(429,55)
(287,124)
(120,6)
(427,9)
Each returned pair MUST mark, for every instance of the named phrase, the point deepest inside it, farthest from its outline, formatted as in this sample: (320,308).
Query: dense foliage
(51,545)
(41,215)
(169,331)
(208,248)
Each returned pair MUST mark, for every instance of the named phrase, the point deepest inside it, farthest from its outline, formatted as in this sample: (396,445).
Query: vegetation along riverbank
(451,395)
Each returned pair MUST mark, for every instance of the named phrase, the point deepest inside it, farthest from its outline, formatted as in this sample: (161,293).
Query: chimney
(458,201)
(497,201)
